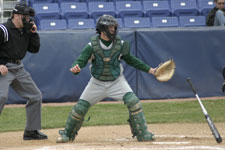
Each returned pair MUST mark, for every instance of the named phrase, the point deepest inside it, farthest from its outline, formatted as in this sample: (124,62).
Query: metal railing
(6,7)
(1,11)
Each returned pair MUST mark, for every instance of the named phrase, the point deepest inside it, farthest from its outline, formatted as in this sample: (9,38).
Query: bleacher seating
(74,10)
(171,11)
(137,22)
(205,6)
(31,2)
(120,22)
(81,23)
(192,21)
(56,24)
(184,7)
(156,8)
(95,1)
(97,9)
(123,0)
(69,1)
(129,9)
(46,11)
(165,22)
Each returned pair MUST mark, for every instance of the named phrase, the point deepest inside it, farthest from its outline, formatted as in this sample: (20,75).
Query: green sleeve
(132,60)
(85,55)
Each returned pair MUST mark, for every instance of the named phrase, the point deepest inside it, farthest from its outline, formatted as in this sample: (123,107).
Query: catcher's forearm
(136,63)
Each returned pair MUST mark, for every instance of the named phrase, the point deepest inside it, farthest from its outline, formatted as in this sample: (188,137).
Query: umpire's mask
(25,10)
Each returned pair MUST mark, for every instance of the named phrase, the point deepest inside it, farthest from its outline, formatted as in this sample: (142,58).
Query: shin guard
(136,119)
(74,122)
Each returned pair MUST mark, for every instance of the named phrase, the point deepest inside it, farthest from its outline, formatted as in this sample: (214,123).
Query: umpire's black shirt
(14,43)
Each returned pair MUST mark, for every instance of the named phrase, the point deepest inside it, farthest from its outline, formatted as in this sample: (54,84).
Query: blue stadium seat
(205,6)
(47,11)
(190,21)
(120,22)
(81,24)
(156,8)
(123,0)
(87,1)
(69,1)
(165,22)
(55,24)
(74,10)
(139,22)
(31,2)
(129,9)
(184,7)
(97,9)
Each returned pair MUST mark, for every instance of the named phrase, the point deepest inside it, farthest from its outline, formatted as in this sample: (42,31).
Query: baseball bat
(208,118)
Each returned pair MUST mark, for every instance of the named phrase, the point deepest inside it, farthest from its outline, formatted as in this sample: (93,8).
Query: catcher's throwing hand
(3,70)
(75,69)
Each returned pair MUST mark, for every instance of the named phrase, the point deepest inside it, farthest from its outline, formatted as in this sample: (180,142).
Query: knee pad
(132,102)
(80,109)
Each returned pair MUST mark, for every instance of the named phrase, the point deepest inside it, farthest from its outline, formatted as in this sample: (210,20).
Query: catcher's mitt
(165,71)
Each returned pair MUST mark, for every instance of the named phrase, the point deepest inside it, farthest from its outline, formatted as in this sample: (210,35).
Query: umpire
(17,36)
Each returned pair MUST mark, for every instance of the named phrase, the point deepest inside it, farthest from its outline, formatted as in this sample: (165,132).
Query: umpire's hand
(3,70)
(34,28)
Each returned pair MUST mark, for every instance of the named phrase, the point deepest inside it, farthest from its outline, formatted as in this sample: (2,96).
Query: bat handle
(189,81)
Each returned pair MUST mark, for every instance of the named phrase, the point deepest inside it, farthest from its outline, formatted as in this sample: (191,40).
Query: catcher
(105,51)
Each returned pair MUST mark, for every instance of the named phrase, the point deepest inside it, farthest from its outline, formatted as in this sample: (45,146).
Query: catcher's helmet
(24,10)
(103,24)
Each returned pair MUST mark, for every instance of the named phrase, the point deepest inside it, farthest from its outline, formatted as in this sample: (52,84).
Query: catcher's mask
(25,10)
(103,24)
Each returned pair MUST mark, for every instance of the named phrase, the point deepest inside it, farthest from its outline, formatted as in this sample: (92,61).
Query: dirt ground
(174,136)
(188,136)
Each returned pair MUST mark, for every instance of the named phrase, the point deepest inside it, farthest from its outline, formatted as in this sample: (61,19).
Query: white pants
(97,90)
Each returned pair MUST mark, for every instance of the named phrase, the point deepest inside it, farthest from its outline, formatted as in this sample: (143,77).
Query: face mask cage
(103,26)
(27,25)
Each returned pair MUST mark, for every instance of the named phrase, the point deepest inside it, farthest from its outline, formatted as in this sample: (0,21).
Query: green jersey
(105,57)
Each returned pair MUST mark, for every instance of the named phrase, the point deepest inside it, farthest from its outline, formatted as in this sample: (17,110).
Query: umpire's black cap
(24,10)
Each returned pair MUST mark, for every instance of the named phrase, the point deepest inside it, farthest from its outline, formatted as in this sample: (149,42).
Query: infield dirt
(186,136)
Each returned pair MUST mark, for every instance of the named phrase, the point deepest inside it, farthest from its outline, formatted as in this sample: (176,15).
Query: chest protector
(106,63)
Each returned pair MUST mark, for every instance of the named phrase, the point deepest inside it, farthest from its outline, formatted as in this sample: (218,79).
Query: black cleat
(34,135)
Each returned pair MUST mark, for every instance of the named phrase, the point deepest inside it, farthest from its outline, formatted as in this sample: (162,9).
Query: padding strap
(80,110)
(132,102)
